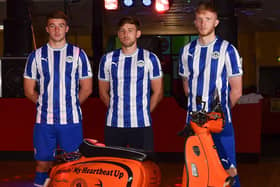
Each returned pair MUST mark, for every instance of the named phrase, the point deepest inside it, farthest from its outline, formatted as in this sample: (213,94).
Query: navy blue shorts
(225,144)
(138,138)
(46,139)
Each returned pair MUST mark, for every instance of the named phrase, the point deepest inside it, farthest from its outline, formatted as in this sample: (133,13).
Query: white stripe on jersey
(146,88)
(62,94)
(207,75)
(120,111)
(50,115)
(76,110)
(133,88)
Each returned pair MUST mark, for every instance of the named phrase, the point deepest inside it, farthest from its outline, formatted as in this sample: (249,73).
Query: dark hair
(206,5)
(130,20)
(57,14)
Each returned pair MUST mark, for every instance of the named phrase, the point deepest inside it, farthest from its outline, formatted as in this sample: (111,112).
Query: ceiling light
(111,4)
(147,2)
(128,3)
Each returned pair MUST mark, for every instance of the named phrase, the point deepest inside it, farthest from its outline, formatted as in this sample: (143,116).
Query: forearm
(234,97)
(85,89)
(30,92)
(33,96)
(236,90)
(105,98)
(84,94)
(157,93)
(185,86)
(104,87)
(155,99)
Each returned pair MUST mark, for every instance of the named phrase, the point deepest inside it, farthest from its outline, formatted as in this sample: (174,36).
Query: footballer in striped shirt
(130,85)
(209,65)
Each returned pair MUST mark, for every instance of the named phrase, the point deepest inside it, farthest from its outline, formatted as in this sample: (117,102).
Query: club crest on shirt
(215,55)
(140,63)
(69,59)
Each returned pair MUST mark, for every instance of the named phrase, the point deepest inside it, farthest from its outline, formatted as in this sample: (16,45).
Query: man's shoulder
(108,53)
(224,41)
(145,50)
(41,47)
(113,55)
(229,46)
(189,46)
(38,50)
(76,49)
(74,46)
(149,52)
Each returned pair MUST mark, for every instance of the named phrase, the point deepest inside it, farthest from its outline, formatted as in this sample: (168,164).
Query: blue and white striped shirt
(57,72)
(130,86)
(208,68)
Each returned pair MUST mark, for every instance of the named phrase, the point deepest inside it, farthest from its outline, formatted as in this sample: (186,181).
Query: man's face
(57,29)
(128,34)
(205,22)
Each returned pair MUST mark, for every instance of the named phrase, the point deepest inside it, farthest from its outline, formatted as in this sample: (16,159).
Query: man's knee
(44,166)
(232,171)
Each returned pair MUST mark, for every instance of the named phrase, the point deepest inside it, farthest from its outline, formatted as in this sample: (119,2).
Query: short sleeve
(84,66)
(183,63)
(155,71)
(233,62)
(103,72)
(30,71)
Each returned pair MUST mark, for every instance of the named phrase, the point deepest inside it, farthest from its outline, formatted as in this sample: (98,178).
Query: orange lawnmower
(97,165)
(203,167)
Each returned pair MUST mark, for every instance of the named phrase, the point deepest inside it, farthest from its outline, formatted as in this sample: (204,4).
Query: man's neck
(57,45)
(129,50)
(205,40)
